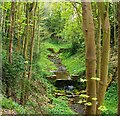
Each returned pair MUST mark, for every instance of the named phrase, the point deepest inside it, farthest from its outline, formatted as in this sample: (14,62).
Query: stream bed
(64,82)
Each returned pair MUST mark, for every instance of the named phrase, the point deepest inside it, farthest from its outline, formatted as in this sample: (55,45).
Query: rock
(69,87)
(52,77)
(61,75)
(75,77)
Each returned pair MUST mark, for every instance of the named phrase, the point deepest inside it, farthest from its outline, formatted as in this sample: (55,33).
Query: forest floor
(74,65)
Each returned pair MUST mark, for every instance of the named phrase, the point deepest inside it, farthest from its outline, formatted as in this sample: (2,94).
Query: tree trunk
(25,54)
(31,7)
(31,46)
(11,31)
(98,53)
(38,34)
(118,15)
(19,26)
(11,36)
(105,54)
(114,4)
(88,27)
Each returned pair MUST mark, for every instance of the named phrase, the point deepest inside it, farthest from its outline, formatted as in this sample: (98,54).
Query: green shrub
(12,73)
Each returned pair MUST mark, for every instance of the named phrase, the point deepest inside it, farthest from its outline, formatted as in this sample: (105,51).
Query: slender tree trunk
(25,54)
(2,18)
(31,46)
(98,54)
(11,35)
(11,31)
(118,58)
(88,27)
(31,7)
(38,34)
(19,25)
(105,54)
(115,24)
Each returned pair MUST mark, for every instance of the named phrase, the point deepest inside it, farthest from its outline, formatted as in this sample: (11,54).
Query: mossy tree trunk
(88,27)
(34,5)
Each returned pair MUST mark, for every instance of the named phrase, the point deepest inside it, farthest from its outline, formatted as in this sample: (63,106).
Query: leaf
(84,96)
(95,78)
(94,98)
(26,62)
(88,104)
(102,108)
(83,80)
(82,101)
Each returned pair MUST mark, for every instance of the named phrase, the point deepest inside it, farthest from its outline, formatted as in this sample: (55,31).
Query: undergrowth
(9,104)
(111,100)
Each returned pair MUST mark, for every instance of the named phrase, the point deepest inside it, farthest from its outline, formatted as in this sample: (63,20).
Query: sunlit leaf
(84,96)
(88,104)
(95,78)
(83,80)
(102,108)
(94,98)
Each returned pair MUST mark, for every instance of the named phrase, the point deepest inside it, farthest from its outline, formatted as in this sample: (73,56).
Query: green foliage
(9,104)
(45,64)
(75,64)
(111,100)
(12,73)
(60,107)
(55,22)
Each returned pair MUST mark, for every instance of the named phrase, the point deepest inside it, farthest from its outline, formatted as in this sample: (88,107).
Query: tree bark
(98,53)
(105,54)
(88,27)
(118,15)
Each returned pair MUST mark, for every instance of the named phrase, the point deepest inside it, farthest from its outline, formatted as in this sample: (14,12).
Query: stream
(63,81)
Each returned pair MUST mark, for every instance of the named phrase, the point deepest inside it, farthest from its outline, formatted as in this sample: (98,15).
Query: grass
(45,64)
(60,107)
(75,63)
